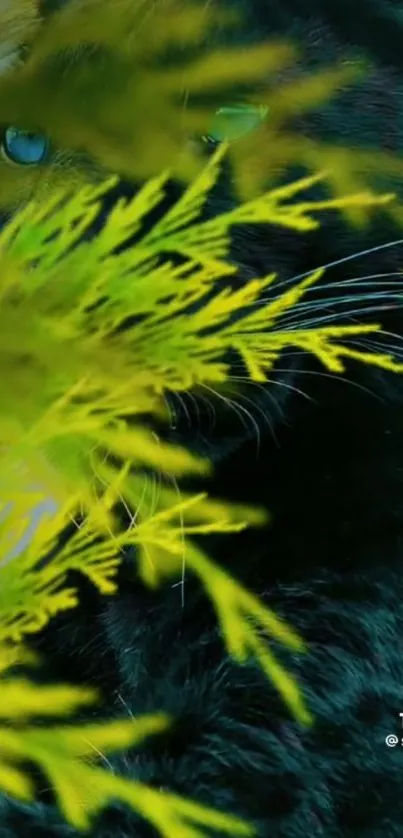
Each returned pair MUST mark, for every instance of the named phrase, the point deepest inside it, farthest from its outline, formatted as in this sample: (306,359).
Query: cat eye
(232,122)
(24,148)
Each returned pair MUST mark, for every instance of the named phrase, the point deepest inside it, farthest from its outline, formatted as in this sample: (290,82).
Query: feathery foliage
(68,755)
(92,338)
(73,385)
(75,377)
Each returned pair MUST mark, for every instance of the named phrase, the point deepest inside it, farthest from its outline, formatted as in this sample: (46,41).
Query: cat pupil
(24,148)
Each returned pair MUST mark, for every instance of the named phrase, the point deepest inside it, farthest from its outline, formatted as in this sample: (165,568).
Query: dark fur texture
(330,469)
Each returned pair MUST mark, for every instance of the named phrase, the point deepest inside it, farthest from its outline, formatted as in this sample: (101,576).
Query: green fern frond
(74,383)
(241,615)
(69,755)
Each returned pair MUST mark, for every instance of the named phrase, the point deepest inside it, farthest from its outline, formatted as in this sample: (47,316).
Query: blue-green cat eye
(232,122)
(24,148)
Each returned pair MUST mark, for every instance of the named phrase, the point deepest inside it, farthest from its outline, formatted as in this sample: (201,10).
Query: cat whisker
(182,404)
(274,383)
(125,705)
(357,255)
(239,410)
(328,375)
(292,322)
(260,411)
(195,401)
(393,346)
(378,346)
(365,280)
(281,284)
(210,408)
(182,580)
(102,756)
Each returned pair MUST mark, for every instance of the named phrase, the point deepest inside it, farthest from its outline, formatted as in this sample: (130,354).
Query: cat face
(45,146)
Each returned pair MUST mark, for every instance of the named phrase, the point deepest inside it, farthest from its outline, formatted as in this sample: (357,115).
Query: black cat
(324,454)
